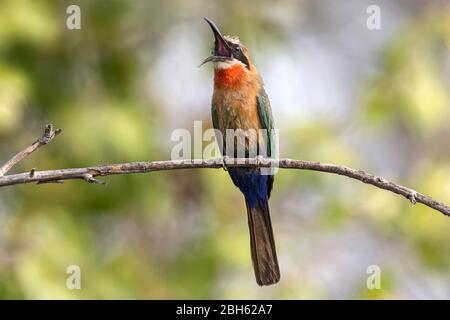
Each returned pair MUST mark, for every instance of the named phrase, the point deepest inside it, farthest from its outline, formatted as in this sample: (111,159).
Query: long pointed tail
(262,244)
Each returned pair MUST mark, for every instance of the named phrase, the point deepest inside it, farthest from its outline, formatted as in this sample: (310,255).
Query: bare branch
(89,173)
(48,135)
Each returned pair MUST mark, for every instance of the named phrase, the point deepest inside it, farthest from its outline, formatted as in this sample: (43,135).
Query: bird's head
(228,51)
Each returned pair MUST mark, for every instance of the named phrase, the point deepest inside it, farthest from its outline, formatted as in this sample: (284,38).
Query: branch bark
(89,174)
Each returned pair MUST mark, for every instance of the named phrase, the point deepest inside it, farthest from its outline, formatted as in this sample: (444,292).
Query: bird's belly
(233,118)
(236,110)
(239,123)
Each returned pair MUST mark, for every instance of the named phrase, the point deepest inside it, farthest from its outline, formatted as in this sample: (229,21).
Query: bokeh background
(377,100)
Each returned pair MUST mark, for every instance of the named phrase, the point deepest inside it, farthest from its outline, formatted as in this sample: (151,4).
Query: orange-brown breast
(234,98)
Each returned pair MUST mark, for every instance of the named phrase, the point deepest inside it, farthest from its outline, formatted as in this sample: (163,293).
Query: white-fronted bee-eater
(239,102)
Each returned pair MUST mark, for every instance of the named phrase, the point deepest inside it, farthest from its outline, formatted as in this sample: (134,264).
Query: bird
(240,103)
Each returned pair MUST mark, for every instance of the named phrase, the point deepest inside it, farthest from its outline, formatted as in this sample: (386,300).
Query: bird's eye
(238,49)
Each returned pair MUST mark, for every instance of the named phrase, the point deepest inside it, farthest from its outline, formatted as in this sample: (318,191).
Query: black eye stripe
(239,54)
(241,57)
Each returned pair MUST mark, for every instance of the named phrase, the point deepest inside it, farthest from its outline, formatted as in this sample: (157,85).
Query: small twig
(90,178)
(49,134)
(50,181)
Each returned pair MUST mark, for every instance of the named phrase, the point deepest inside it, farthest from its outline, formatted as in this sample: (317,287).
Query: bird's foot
(412,196)
(224,162)
(259,159)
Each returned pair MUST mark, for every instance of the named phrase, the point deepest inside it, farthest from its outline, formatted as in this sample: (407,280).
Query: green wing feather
(266,119)
(215,122)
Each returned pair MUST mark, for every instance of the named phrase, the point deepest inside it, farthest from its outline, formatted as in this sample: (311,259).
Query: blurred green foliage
(183,234)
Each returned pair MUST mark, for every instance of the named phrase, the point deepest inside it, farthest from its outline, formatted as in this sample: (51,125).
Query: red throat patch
(229,77)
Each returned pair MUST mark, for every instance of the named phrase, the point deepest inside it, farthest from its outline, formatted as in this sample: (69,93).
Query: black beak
(221,48)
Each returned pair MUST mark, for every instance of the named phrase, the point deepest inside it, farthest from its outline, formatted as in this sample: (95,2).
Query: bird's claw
(224,162)
(412,197)
(259,159)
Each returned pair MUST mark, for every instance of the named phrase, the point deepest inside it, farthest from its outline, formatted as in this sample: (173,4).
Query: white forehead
(232,39)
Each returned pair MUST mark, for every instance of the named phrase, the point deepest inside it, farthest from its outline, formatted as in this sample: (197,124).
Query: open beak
(222,50)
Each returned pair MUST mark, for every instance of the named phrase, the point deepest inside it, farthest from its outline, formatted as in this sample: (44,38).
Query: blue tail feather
(252,184)
(256,188)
